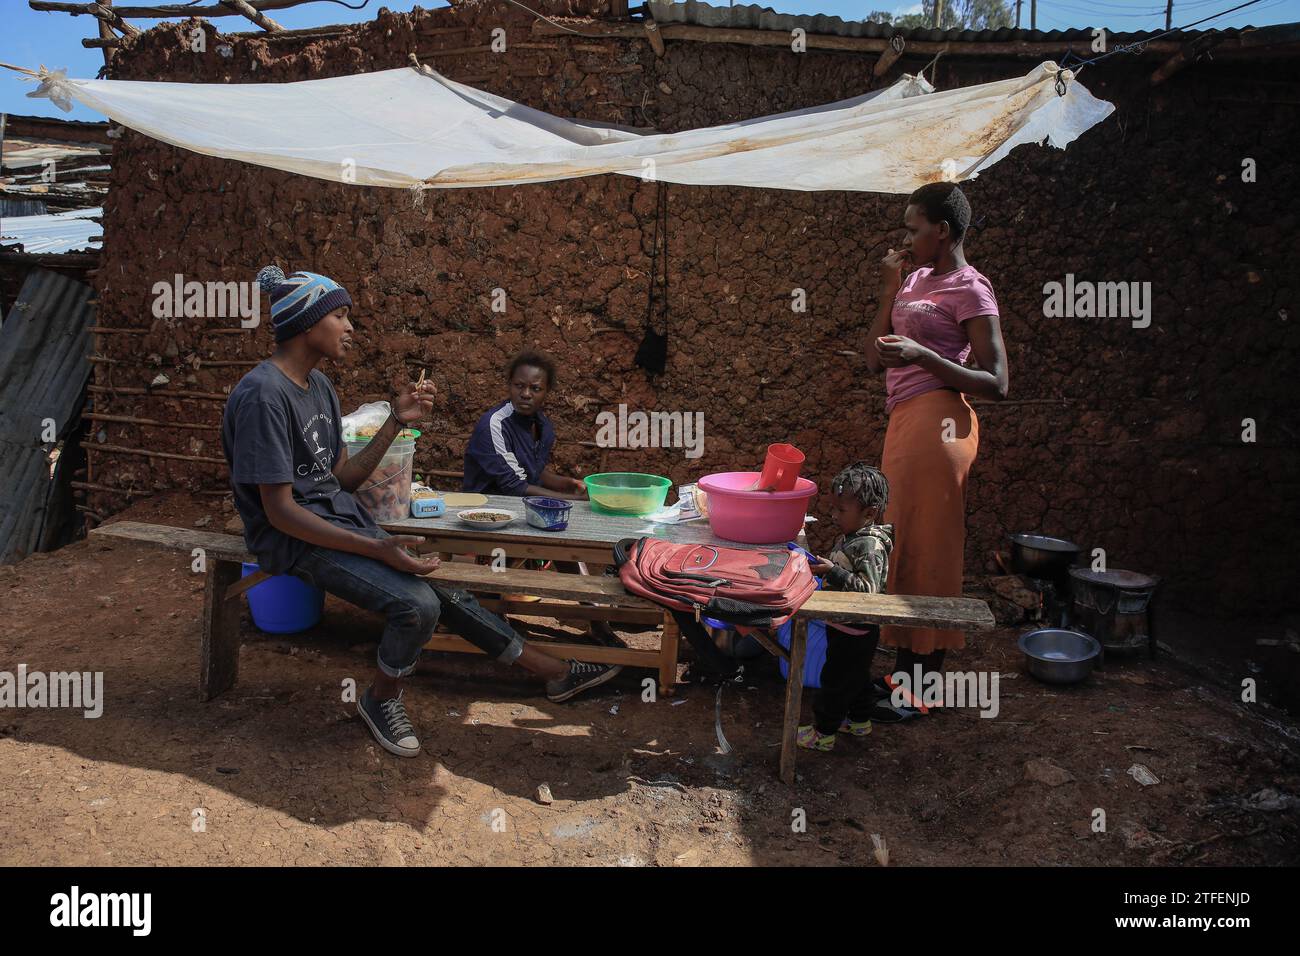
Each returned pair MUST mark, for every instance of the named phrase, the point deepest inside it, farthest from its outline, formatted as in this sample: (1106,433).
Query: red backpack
(751,587)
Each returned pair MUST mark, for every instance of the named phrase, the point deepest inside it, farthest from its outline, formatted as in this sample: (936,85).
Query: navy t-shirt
(273,432)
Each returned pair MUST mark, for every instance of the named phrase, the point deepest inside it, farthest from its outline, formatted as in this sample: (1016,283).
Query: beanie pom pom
(269,277)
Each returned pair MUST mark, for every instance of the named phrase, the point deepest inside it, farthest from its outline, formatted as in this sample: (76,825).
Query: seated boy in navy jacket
(510,450)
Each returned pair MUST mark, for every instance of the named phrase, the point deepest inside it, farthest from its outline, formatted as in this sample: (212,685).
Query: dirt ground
(283,772)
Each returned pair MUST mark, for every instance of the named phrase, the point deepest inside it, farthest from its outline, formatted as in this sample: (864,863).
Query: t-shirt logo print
(321,458)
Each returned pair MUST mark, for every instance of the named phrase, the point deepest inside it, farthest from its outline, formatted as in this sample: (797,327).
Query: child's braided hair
(864,483)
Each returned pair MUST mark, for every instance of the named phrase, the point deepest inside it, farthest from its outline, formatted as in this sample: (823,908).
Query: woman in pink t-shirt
(937,337)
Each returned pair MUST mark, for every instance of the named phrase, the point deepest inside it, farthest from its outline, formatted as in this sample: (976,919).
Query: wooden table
(590,537)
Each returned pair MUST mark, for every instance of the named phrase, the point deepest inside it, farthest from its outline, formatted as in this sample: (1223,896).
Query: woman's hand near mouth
(892,271)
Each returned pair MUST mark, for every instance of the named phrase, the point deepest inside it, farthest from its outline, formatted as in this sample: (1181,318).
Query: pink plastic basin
(755,517)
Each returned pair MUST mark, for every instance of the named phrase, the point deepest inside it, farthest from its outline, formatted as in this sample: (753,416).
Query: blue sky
(54,39)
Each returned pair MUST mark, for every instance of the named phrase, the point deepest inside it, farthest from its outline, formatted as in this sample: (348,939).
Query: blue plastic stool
(814,657)
(284,604)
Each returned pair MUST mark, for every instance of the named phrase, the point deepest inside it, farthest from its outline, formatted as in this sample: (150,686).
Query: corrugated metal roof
(754,17)
(17,206)
(20,151)
(73,156)
(53,233)
(43,372)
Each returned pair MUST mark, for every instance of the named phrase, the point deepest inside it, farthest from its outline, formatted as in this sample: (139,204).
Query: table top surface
(585,527)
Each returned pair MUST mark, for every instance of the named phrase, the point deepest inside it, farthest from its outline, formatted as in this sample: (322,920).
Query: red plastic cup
(781,468)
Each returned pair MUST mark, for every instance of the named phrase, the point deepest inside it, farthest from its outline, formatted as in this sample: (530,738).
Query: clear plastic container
(386,494)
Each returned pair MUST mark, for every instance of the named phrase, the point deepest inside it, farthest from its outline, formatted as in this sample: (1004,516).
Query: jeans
(411,606)
(846,679)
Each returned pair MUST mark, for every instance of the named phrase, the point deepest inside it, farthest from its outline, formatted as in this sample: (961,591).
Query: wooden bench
(846,607)
(224,555)
(219,655)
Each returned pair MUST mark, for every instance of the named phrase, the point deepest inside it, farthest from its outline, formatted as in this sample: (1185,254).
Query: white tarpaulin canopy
(411,128)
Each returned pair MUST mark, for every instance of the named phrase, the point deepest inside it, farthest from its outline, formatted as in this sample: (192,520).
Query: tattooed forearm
(357,469)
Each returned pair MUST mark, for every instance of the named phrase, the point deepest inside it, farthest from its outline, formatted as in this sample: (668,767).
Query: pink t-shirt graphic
(930,310)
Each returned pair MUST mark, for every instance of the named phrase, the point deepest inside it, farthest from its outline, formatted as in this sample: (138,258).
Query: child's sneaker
(581,676)
(855,728)
(809,739)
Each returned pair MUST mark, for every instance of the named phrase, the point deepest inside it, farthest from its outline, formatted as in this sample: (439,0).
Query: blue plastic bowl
(283,604)
(549,514)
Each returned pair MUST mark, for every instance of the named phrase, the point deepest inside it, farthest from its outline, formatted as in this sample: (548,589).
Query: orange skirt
(930,445)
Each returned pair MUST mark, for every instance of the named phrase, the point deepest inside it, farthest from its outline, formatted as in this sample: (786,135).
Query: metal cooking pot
(1059,656)
(1042,557)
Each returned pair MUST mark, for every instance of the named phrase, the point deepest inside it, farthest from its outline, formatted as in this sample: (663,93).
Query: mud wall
(1116,437)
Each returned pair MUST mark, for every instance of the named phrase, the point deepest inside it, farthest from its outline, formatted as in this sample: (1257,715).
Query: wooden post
(793,699)
(257,16)
(887,59)
(105,34)
(1185,57)
(1018,3)
(219,648)
(655,37)
(1169,13)
(102,10)
(938,12)
(668,643)
(1033,14)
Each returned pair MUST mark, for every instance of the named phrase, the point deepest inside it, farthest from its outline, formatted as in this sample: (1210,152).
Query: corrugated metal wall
(43,372)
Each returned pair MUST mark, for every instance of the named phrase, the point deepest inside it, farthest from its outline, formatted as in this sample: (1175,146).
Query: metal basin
(1059,656)
(1042,557)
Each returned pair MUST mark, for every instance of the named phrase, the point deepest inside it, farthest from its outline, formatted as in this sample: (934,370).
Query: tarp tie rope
(1139,45)
(934,74)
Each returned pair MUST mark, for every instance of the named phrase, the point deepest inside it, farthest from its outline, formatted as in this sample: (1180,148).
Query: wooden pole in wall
(261,19)
(106,33)
(103,12)
(218,8)
(654,36)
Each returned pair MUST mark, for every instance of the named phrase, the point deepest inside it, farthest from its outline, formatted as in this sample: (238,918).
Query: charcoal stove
(1115,607)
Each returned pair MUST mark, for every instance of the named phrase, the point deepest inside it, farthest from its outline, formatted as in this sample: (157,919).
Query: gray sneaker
(387,720)
(580,677)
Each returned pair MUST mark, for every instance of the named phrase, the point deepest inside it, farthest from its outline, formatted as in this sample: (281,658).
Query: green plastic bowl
(626,493)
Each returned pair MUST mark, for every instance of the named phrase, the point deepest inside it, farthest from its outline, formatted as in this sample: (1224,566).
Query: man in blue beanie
(293,483)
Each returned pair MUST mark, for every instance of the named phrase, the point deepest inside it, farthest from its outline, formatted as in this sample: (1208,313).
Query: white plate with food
(485,519)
